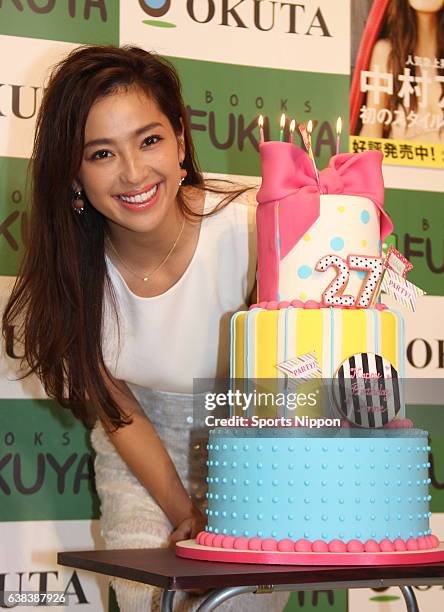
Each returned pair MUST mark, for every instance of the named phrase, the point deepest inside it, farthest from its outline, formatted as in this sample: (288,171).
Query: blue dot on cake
(304,271)
(337,243)
(365,216)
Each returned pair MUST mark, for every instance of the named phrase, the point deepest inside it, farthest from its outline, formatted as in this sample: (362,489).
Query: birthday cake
(358,487)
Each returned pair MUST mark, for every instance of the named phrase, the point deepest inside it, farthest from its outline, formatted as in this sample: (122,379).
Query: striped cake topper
(366,390)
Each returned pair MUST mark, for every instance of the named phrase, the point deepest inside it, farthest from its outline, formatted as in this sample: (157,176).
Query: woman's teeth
(140,198)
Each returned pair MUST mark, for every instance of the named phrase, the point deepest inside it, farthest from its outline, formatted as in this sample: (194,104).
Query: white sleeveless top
(184,333)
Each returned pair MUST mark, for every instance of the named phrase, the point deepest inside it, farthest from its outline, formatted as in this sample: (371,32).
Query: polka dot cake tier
(325,486)
(299,220)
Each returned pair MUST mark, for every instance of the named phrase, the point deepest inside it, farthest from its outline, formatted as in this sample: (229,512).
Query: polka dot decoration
(337,243)
(365,216)
(304,271)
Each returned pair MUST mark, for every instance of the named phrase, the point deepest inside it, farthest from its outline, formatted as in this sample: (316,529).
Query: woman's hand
(186,530)
(189,527)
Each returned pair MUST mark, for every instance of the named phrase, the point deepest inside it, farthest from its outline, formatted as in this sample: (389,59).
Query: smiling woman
(135,169)
(133,268)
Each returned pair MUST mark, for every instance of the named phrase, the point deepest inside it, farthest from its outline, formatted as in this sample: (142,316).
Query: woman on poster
(398,84)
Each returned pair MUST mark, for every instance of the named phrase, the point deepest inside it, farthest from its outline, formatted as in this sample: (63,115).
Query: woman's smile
(141,199)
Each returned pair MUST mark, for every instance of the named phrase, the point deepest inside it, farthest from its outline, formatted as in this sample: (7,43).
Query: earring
(183,173)
(78,202)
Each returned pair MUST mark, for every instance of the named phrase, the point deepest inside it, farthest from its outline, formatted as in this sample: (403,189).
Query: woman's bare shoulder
(380,54)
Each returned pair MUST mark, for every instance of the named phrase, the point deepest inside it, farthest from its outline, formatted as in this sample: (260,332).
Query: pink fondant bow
(288,177)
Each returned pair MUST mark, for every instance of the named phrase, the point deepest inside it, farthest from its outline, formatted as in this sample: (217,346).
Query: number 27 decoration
(333,295)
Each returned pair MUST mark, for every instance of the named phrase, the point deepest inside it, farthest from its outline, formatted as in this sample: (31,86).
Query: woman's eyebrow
(110,141)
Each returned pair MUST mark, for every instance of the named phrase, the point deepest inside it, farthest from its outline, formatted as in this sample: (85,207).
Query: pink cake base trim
(189,549)
(204,538)
(308,305)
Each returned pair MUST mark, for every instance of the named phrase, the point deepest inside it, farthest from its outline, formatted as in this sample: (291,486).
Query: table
(162,568)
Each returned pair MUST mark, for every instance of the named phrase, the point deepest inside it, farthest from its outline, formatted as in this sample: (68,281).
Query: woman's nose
(133,170)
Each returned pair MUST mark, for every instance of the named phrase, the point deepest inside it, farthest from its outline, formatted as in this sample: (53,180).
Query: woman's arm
(378,63)
(145,455)
(252,299)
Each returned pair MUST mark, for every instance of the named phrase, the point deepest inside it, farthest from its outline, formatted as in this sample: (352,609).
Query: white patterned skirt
(130,518)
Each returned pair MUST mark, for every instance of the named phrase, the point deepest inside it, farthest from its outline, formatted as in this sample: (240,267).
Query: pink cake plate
(190,550)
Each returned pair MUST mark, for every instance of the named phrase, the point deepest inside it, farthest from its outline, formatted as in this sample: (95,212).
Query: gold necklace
(163,262)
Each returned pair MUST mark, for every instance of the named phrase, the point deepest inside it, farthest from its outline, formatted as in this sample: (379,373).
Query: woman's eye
(151,140)
(101,154)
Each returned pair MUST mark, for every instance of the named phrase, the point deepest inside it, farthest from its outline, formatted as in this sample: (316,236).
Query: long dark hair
(401,29)
(55,309)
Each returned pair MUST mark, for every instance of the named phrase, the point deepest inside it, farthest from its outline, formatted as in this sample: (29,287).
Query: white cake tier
(347,225)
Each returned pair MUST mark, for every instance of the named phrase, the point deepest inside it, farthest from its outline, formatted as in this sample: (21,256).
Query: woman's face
(130,167)
(426,6)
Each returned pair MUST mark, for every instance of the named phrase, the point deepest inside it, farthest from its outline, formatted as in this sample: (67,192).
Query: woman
(133,269)
(412,40)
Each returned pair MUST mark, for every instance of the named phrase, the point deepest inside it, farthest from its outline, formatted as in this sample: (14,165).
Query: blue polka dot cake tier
(324,490)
